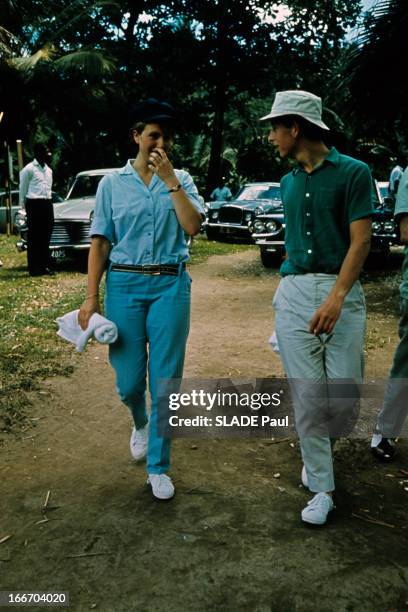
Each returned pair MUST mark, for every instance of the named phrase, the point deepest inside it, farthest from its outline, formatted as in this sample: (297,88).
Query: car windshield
(259,192)
(85,186)
(383,189)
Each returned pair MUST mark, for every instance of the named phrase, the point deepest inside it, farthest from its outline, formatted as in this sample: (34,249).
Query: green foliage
(73,71)
(371,88)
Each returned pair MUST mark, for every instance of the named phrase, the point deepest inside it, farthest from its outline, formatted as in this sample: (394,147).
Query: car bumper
(230,230)
(380,242)
(21,246)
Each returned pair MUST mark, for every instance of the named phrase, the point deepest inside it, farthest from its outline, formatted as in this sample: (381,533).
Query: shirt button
(309,251)
(149,234)
(307,214)
(308,195)
(308,233)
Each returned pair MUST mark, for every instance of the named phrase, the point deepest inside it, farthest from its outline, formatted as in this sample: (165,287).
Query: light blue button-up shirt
(401,208)
(140,221)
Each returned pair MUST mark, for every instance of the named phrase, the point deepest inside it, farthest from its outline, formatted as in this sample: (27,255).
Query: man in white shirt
(221,193)
(35,197)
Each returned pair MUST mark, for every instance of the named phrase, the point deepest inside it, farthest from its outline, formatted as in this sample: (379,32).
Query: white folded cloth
(103,330)
(273,342)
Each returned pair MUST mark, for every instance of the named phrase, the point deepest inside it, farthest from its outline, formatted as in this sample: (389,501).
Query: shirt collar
(37,163)
(128,169)
(333,157)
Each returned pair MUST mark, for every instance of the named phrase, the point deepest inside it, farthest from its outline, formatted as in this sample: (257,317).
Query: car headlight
(248,217)
(271,226)
(376,226)
(259,227)
(215,214)
(389,227)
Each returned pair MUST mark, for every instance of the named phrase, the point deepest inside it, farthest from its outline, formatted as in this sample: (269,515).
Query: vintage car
(230,220)
(72,217)
(385,229)
(268,232)
(268,229)
(15,208)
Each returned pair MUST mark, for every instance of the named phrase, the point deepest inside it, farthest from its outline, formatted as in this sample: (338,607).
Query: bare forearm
(326,316)
(351,267)
(187,214)
(98,255)
(404,229)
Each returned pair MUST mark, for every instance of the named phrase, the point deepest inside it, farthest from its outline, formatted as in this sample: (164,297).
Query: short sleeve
(360,199)
(102,224)
(191,190)
(401,204)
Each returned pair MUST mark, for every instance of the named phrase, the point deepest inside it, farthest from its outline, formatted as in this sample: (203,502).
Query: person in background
(395,406)
(395,177)
(36,197)
(142,213)
(319,304)
(221,193)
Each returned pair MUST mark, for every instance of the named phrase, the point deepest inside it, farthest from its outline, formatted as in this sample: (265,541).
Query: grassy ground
(29,348)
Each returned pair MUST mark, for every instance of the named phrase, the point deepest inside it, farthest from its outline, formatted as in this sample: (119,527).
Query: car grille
(70,232)
(231,214)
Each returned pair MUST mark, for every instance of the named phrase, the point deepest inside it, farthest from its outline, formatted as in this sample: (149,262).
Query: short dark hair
(39,148)
(139,126)
(308,130)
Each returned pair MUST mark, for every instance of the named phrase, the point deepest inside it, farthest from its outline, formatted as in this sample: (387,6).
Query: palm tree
(375,68)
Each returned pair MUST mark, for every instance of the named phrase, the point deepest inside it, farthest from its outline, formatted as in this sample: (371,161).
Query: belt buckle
(148,269)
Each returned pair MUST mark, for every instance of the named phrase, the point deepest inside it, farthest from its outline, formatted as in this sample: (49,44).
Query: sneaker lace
(321,499)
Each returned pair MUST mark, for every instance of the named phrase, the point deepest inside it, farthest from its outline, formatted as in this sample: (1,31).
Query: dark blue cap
(153,110)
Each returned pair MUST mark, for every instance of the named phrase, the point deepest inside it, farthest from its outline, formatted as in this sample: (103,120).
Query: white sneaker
(161,484)
(317,509)
(304,478)
(138,442)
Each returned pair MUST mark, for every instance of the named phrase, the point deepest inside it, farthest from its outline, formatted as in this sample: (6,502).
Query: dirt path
(231,539)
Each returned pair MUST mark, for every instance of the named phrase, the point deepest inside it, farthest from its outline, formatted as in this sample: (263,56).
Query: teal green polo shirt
(319,208)
(401,209)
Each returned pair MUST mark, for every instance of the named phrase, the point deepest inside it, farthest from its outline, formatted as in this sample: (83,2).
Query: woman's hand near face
(162,166)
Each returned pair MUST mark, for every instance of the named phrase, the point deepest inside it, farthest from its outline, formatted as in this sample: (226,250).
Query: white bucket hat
(297,102)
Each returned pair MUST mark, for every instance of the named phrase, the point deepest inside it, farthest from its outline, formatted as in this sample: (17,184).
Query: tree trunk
(214,166)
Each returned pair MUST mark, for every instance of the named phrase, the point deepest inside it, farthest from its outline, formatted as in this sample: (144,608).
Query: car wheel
(211,234)
(271,260)
(378,259)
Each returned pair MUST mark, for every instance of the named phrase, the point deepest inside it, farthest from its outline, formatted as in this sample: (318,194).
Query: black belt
(150,269)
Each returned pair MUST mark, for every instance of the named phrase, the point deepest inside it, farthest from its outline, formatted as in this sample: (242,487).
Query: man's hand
(88,308)
(161,165)
(325,317)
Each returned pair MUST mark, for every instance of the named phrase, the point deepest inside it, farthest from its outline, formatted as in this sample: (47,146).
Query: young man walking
(319,304)
(395,407)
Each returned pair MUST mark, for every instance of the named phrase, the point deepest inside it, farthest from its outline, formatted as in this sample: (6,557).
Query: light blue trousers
(394,411)
(153,315)
(311,360)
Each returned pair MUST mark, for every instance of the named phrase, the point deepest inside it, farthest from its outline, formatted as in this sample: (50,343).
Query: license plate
(226,230)
(58,253)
